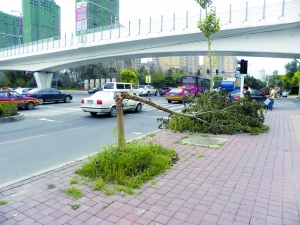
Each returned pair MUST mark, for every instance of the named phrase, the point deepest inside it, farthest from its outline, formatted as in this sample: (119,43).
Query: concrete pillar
(92,83)
(86,84)
(113,80)
(102,82)
(43,80)
(107,79)
(97,83)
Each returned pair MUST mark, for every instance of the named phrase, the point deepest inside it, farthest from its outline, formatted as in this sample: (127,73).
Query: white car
(147,90)
(105,102)
(22,91)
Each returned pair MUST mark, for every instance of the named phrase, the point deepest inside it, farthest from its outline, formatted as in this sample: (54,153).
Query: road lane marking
(45,119)
(42,135)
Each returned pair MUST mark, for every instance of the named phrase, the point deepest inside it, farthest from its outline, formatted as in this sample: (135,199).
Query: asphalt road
(54,134)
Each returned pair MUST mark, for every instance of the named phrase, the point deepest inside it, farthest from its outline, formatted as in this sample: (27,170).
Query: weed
(104,206)
(151,135)
(203,135)
(3,202)
(127,169)
(193,154)
(153,182)
(200,155)
(73,192)
(51,186)
(108,191)
(74,181)
(75,206)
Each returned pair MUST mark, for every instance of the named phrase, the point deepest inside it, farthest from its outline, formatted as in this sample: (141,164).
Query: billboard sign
(81,15)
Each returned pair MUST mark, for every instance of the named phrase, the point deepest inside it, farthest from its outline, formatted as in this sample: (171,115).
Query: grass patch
(73,192)
(74,181)
(75,206)
(51,186)
(200,155)
(151,135)
(128,169)
(3,202)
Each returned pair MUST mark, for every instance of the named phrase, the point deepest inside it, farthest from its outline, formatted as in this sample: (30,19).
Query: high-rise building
(96,15)
(189,64)
(227,64)
(41,20)
(10,30)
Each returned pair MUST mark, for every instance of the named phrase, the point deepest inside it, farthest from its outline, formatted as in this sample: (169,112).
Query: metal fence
(144,28)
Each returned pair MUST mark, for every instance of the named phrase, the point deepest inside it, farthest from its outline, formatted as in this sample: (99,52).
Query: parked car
(105,102)
(147,90)
(255,94)
(95,89)
(22,91)
(49,95)
(177,94)
(20,101)
(164,90)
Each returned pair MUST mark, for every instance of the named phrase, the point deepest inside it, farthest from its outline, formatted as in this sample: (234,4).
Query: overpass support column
(43,80)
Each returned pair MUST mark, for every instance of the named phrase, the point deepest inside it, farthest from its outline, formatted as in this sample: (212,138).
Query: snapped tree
(209,25)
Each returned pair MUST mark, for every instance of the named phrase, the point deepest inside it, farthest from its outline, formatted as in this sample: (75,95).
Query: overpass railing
(151,27)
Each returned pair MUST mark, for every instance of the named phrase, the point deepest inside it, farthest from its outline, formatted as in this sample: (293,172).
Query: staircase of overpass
(154,37)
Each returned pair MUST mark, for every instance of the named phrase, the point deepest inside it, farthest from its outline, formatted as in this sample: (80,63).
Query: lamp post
(105,9)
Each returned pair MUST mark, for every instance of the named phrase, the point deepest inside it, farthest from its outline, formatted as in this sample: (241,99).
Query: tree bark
(120,122)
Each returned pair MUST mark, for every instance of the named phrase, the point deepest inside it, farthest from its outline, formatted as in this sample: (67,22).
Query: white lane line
(42,135)
(44,119)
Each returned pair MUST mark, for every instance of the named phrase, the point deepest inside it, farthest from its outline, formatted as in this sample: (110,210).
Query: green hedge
(7,110)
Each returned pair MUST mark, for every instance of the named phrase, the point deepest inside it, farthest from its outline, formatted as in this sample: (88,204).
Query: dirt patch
(203,140)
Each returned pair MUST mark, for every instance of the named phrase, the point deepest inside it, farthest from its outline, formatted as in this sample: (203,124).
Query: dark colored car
(20,101)
(164,90)
(95,89)
(255,94)
(49,95)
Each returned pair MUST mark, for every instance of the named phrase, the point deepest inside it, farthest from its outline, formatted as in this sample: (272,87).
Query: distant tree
(254,83)
(128,76)
(217,81)
(17,78)
(290,79)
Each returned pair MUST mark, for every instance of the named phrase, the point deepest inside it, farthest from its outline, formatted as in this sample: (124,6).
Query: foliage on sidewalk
(127,169)
(7,110)
(2,202)
(217,114)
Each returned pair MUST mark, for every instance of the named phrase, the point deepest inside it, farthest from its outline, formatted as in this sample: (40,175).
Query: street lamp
(105,9)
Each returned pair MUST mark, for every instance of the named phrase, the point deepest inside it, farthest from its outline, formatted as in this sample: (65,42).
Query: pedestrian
(263,92)
(272,97)
(246,92)
(249,89)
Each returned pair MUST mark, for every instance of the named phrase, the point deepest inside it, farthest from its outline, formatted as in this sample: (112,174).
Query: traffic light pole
(242,85)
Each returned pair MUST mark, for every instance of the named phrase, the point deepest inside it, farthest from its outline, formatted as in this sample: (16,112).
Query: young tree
(209,25)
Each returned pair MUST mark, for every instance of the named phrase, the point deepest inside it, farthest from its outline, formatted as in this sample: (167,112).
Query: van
(122,87)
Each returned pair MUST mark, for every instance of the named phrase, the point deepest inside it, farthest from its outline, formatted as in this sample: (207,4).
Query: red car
(7,97)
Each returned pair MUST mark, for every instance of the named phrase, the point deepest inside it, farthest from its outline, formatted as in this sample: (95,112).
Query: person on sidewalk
(249,89)
(272,97)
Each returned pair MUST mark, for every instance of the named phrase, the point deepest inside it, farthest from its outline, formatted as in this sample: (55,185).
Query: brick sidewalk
(250,180)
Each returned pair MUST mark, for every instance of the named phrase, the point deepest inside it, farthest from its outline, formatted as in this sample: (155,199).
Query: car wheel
(67,99)
(138,107)
(156,93)
(93,113)
(113,111)
(30,105)
(169,101)
(148,94)
(41,101)
(161,95)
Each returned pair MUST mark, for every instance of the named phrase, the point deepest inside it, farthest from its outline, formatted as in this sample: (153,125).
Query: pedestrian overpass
(267,31)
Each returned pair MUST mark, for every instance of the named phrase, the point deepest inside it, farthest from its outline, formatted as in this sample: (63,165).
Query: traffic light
(217,72)
(242,66)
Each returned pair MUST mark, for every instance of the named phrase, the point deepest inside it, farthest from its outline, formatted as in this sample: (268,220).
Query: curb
(10,119)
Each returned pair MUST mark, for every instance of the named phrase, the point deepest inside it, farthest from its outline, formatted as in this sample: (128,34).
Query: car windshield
(176,90)
(142,86)
(165,88)
(102,94)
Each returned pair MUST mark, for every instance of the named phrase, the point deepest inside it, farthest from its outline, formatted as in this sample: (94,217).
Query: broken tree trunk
(120,122)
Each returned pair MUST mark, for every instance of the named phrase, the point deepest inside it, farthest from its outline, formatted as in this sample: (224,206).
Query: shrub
(7,110)
(224,115)
(138,163)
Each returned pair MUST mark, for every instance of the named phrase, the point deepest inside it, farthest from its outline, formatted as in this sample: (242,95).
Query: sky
(132,10)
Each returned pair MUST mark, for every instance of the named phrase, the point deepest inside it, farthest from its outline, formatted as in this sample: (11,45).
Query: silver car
(147,90)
